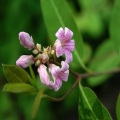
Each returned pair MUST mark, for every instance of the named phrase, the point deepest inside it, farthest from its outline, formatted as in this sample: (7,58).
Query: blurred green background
(92,18)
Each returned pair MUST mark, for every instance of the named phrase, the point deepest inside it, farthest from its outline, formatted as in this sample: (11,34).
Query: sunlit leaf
(37,103)
(90,108)
(57,14)
(19,88)
(104,59)
(115,26)
(15,74)
(118,108)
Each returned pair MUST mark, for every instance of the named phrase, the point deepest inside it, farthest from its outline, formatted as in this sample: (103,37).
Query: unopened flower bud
(53,52)
(26,40)
(39,56)
(38,47)
(35,51)
(37,63)
(25,60)
(44,57)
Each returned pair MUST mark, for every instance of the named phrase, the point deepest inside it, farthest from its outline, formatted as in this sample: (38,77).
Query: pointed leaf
(15,74)
(37,103)
(115,26)
(90,108)
(118,108)
(57,14)
(19,88)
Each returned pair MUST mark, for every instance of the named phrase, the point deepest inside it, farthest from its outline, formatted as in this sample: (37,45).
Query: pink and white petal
(60,33)
(44,77)
(65,66)
(26,40)
(56,85)
(25,60)
(68,34)
(68,56)
(54,70)
(70,46)
(64,75)
(58,48)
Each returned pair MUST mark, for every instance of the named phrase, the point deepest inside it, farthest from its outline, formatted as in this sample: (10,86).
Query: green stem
(32,73)
(33,81)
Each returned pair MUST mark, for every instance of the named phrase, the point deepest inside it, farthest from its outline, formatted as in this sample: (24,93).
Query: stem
(32,73)
(79,77)
(67,93)
(33,80)
(109,72)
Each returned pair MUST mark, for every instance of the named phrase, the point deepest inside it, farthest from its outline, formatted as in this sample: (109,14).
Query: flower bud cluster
(42,57)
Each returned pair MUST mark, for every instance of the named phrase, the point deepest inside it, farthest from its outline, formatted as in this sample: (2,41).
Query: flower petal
(65,66)
(56,85)
(44,77)
(64,72)
(58,48)
(68,56)
(58,75)
(25,60)
(68,34)
(70,46)
(54,70)
(26,40)
(57,82)
(60,33)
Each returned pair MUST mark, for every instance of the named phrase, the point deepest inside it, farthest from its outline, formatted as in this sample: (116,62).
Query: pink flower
(58,74)
(26,40)
(64,44)
(44,77)
(25,60)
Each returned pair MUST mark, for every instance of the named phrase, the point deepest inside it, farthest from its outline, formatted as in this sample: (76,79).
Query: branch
(109,72)
(79,77)
(67,93)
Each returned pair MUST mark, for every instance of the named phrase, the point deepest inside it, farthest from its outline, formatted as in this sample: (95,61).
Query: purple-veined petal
(69,46)
(65,66)
(25,60)
(58,74)
(60,34)
(56,85)
(68,56)
(26,40)
(44,77)
(64,72)
(54,70)
(58,48)
(64,75)
(68,34)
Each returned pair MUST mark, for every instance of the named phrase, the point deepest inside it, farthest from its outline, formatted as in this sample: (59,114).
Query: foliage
(96,27)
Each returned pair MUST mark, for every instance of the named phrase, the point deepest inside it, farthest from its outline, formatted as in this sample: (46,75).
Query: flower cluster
(43,57)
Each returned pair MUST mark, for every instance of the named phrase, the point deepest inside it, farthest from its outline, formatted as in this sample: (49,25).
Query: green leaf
(118,108)
(57,14)
(90,108)
(105,58)
(115,26)
(15,74)
(87,53)
(37,103)
(19,88)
